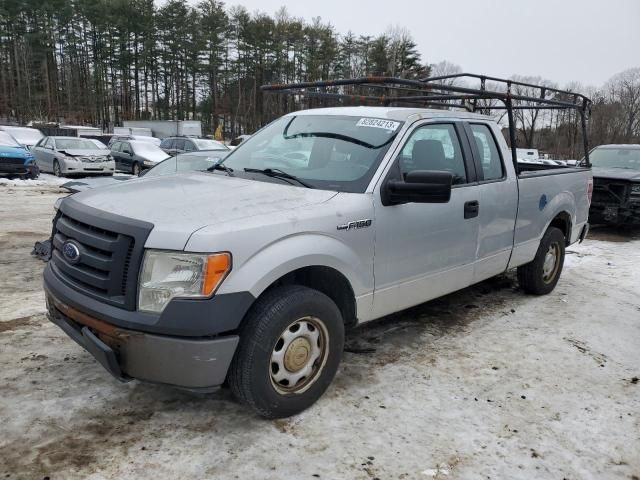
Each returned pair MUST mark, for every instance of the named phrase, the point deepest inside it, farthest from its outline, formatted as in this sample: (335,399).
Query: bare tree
(444,68)
(528,119)
(624,91)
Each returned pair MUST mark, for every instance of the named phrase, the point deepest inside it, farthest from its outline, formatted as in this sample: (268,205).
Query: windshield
(74,144)
(24,135)
(7,140)
(99,144)
(332,152)
(205,144)
(182,163)
(616,158)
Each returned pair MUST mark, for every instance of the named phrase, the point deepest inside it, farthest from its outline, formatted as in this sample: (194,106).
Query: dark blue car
(15,159)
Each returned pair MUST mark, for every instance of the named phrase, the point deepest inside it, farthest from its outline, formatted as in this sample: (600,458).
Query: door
(498,194)
(43,153)
(116,154)
(426,250)
(127,157)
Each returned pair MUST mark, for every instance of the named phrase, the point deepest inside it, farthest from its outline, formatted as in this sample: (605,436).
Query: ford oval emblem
(71,252)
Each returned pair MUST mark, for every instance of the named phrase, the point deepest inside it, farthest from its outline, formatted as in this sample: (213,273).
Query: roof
(392,113)
(632,146)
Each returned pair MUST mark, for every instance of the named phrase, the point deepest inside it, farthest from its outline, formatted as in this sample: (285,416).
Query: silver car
(72,156)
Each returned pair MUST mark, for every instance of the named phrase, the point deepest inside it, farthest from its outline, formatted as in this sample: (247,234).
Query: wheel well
(328,281)
(563,222)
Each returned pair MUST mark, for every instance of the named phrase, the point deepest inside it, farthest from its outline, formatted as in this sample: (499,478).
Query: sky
(560,40)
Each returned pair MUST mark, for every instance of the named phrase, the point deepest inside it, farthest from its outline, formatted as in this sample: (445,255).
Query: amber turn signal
(216,268)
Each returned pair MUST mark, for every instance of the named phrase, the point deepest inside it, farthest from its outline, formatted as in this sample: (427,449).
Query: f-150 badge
(355,225)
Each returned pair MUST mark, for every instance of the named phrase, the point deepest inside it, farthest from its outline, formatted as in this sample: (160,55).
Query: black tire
(135,169)
(57,171)
(532,276)
(251,373)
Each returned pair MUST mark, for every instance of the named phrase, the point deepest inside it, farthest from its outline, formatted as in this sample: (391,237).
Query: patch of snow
(43,179)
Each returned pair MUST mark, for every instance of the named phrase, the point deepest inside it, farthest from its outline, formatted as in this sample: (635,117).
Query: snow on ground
(43,179)
(485,383)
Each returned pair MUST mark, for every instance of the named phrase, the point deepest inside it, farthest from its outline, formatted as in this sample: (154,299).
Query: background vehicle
(15,159)
(252,273)
(616,185)
(135,156)
(173,145)
(23,135)
(72,156)
(141,138)
(238,140)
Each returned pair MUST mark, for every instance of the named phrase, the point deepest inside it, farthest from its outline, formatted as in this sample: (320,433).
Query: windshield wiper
(277,173)
(221,166)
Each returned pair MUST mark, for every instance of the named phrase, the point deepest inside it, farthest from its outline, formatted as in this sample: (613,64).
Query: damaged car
(15,159)
(616,185)
(64,156)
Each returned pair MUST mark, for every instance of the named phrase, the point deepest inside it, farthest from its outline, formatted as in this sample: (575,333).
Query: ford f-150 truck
(324,219)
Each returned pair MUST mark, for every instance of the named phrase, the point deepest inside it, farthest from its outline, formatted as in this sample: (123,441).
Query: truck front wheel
(290,347)
(540,276)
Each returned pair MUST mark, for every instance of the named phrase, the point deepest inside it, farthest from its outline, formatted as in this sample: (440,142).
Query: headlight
(56,205)
(149,163)
(635,189)
(166,275)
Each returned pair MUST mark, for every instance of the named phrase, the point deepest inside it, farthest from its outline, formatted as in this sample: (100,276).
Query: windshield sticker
(378,123)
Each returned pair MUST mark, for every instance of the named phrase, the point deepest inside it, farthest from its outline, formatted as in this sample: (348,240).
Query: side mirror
(419,186)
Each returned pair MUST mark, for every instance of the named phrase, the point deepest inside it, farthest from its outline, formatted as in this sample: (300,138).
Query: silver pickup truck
(324,219)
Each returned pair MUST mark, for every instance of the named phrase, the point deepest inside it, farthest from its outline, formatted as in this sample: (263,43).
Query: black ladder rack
(432,92)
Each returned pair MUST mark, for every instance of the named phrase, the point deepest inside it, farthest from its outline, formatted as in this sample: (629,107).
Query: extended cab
(324,219)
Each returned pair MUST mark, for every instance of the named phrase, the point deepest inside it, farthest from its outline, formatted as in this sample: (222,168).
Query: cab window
(434,147)
(488,152)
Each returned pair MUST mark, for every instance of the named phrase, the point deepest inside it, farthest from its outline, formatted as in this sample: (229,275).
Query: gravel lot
(484,383)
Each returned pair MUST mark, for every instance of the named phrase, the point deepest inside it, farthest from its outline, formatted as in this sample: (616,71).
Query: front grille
(605,191)
(11,161)
(110,252)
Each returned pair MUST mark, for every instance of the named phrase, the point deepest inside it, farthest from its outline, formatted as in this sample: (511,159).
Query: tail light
(590,190)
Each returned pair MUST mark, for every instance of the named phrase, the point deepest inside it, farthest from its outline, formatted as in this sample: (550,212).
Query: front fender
(285,255)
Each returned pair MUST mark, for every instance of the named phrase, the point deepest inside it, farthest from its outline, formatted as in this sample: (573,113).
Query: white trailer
(168,128)
(134,131)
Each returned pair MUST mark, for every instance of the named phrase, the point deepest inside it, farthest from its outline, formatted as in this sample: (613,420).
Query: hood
(14,152)
(616,174)
(178,205)
(97,152)
(153,156)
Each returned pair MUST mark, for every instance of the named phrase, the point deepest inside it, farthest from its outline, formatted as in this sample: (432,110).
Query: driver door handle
(471,209)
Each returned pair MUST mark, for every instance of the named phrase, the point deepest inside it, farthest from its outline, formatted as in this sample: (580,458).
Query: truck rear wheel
(540,276)
(290,347)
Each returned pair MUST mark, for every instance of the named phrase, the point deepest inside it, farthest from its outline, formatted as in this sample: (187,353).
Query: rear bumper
(193,364)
